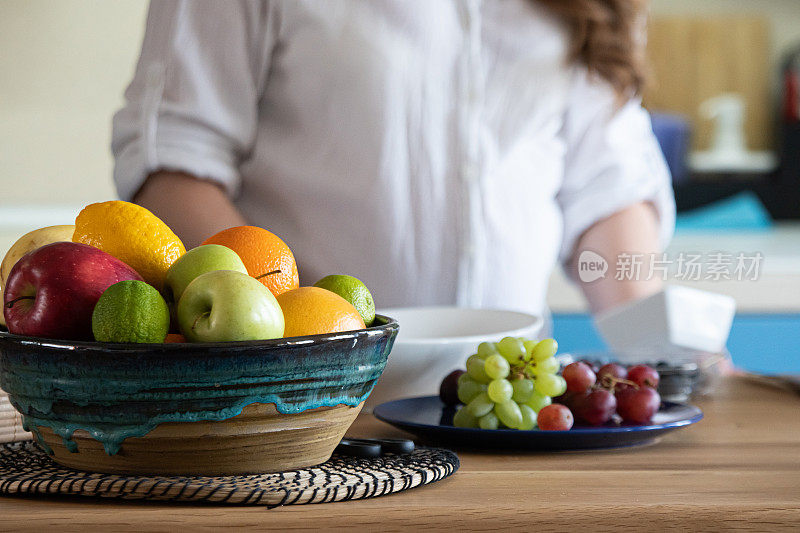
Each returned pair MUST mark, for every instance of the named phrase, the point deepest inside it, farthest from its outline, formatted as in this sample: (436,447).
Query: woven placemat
(11,422)
(26,470)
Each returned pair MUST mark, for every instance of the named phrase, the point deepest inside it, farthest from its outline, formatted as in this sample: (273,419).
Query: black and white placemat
(26,470)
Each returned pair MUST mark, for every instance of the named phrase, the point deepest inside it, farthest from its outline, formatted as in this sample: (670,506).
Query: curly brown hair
(606,37)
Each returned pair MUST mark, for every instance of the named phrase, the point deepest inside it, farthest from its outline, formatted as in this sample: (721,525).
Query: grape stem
(518,371)
(611,382)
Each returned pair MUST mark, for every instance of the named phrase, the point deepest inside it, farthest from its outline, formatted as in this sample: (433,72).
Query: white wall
(63,68)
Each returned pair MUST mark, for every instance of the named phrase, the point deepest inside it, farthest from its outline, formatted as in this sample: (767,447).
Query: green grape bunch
(506,384)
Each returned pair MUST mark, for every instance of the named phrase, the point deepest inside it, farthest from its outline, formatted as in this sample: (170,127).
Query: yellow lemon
(133,235)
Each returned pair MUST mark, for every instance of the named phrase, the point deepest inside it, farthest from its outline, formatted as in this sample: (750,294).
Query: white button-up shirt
(442,151)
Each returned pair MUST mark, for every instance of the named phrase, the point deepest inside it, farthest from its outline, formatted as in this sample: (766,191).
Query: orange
(261,252)
(174,337)
(133,235)
(313,310)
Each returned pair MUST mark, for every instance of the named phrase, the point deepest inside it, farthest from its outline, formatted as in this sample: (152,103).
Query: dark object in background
(783,192)
(779,191)
(672,133)
(791,87)
(678,380)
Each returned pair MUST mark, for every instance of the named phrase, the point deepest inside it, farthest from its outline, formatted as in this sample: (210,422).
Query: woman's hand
(195,209)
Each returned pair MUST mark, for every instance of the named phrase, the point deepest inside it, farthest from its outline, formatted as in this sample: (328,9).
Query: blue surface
(765,343)
(672,133)
(743,211)
(428,418)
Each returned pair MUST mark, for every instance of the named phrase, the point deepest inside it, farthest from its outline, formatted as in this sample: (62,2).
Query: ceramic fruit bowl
(193,409)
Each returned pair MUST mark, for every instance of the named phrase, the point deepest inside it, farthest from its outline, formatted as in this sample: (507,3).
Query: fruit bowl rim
(389,325)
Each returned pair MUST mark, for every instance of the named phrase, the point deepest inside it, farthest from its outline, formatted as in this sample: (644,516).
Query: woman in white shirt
(445,152)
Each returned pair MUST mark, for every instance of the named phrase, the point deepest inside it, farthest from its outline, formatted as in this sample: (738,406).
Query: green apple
(225,305)
(196,261)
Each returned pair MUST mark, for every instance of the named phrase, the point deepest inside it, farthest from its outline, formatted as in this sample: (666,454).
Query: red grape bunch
(595,395)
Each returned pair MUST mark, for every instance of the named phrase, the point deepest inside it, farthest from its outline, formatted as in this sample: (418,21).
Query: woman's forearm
(193,208)
(634,231)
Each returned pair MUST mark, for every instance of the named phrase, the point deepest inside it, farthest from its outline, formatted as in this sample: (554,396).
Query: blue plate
(430,420)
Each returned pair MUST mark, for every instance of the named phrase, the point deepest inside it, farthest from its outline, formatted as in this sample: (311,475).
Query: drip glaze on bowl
(114,392)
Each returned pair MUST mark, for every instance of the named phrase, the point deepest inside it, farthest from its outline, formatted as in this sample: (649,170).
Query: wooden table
(738,468)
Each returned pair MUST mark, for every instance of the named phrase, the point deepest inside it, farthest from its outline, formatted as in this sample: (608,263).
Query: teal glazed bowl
(193,408)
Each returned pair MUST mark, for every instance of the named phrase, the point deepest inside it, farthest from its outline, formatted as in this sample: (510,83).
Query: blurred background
(725,100)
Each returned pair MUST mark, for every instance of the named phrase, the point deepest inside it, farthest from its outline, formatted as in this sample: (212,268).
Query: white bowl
(434,341)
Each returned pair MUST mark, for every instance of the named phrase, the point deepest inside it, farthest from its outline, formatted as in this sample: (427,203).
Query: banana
(27,243)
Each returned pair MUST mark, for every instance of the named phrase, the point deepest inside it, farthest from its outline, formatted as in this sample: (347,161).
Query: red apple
(51,291)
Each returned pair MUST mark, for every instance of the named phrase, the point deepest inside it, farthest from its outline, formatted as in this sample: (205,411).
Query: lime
(130,311)
(352,290)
